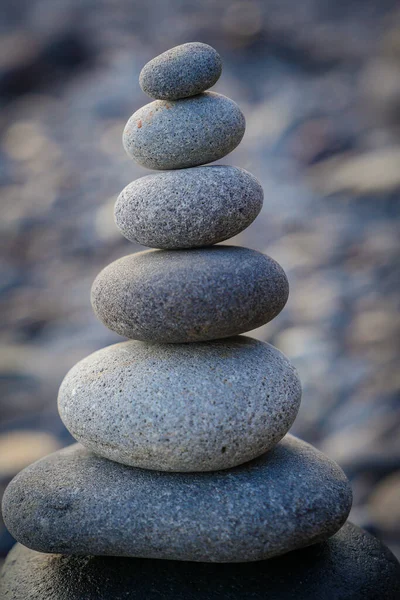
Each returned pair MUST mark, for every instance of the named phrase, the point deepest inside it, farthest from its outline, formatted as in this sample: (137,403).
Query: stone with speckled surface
(173,296)
(188,208)
(350,565)
(174,134)
(181,407)
(182,71)
(75,502)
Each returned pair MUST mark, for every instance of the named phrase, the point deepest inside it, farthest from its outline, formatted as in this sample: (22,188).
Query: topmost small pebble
(181,72)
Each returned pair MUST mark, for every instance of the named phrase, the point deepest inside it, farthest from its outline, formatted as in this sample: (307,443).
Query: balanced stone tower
(184,453)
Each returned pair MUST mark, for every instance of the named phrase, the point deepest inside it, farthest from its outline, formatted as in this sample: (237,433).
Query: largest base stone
(75,502)
(352,565)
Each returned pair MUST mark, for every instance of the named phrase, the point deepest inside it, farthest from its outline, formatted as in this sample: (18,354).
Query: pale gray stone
(182,71)
(172,296)
(174,134)
(350,565)
(75,502)
(189,207)
(181,407)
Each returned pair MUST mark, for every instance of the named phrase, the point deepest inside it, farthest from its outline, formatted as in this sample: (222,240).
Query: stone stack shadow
(184,452)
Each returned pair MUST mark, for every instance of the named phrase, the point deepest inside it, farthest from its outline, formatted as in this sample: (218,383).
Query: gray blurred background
(319,84)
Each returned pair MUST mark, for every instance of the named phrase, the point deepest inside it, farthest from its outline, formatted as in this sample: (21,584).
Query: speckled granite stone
(172,296)
(173,134)
(351,565)
(189,207)
(181,407)
(183,71)
(75,502)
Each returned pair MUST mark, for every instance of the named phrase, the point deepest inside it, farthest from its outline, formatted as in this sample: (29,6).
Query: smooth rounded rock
(75,502)
(181,407)
(174,134)
(188,208)
(172,296)
(351,565)
(183,71)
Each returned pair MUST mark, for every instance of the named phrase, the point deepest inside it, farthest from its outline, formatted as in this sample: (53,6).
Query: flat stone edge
(324,532)
(350,565)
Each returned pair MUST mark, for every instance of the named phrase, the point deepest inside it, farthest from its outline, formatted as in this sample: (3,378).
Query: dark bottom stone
(351,565)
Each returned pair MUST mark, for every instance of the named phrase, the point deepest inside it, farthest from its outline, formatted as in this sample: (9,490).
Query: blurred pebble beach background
(319,84)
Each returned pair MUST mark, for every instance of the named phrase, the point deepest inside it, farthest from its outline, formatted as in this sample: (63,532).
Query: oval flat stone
(173,134)
(173,296)
(181,407)
(350,565)
(183,71)
(188,208)
(75,502)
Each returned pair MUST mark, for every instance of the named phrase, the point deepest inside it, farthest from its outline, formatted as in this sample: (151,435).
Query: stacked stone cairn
(183,451)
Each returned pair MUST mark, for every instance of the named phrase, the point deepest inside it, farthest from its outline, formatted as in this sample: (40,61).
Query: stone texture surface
(75,502)
(58,230)
(183,71)
(181,407)
(351,565)
(173,134)
(189,295)
(189,207)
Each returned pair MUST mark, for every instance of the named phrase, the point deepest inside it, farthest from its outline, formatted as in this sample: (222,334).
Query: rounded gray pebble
(182,71)
(173,296)
(181,407)
(174,134)
(75,502)
(188,208)
(351,565)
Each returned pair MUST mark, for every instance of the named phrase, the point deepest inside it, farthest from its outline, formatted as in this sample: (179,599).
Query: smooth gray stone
(351,565)
(172,296)
(188,208)
(182,71)
(174,134)
(75,502)
(181,407)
